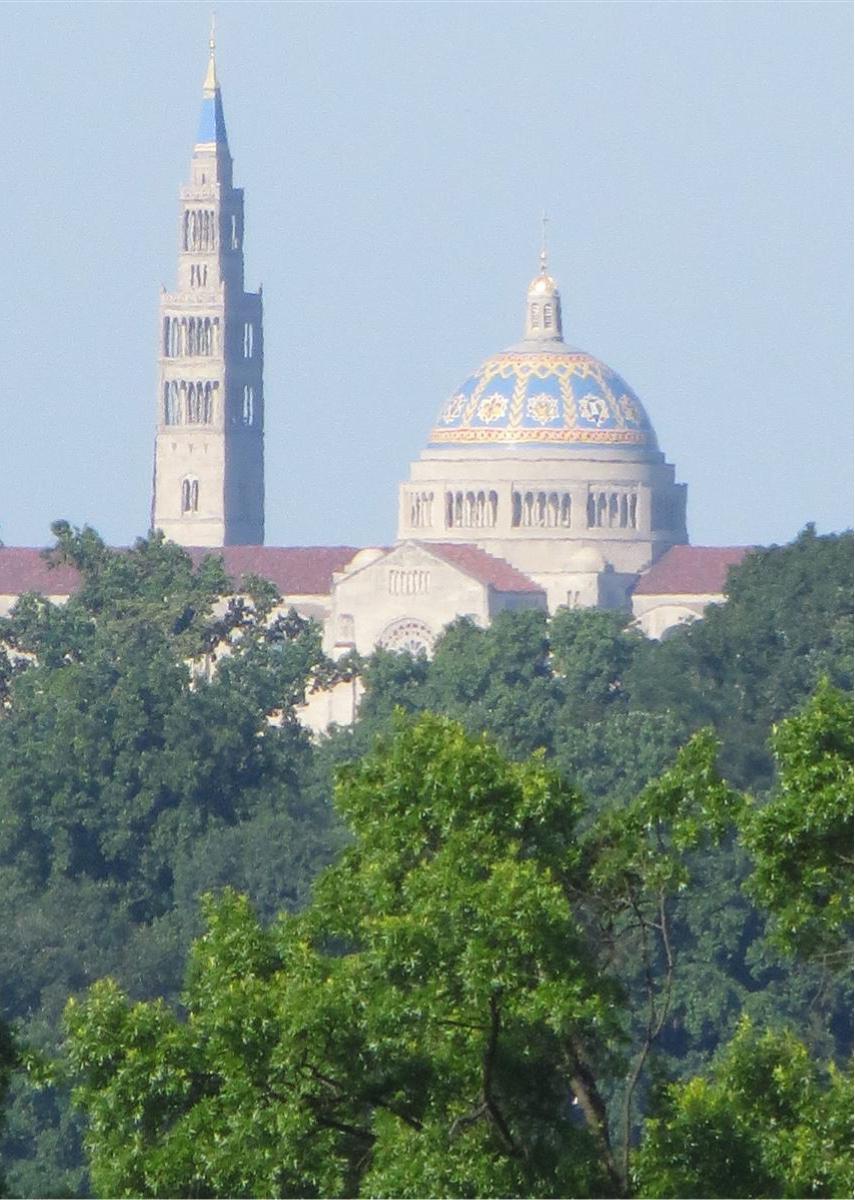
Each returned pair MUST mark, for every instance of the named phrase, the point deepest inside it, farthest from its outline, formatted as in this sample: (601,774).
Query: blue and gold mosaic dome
(542,393)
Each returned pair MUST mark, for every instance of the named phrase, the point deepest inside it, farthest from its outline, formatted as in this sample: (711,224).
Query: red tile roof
(483,566)
(25,569)
(295,570)
(691,570)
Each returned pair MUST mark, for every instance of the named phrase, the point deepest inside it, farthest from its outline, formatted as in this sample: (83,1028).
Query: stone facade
(209,447)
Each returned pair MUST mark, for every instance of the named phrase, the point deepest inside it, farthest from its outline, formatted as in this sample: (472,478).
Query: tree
(444,1019)
(768,1121)
(592,652)
(787,622)
(8,1060)
(149,751)
(801,840)
(497,680)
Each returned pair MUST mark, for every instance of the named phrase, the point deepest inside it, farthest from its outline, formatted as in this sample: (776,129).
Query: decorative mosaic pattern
(551,397)
(542,408)
(492,408)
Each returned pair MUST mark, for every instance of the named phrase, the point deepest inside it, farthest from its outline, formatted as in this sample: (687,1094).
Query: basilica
(541,483)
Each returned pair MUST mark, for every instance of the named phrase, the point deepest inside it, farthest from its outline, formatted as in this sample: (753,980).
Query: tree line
(567,911)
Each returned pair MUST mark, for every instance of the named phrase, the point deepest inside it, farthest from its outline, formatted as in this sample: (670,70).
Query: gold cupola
(543,307)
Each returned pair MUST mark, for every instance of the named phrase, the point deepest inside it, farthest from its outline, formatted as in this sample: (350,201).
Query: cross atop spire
(212,123)
(211,85)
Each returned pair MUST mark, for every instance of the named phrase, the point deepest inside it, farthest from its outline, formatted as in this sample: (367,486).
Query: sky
(695,160)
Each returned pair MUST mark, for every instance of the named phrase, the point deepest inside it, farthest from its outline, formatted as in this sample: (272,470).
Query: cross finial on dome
(544,221)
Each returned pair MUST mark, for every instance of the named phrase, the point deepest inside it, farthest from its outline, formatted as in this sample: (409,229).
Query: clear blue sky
(696,160)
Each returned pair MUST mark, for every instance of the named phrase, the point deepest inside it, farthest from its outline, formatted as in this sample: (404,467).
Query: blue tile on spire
(212,123)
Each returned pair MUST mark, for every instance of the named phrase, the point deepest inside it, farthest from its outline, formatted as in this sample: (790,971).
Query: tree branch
(487,1080)
(585,1090)
(655,1018)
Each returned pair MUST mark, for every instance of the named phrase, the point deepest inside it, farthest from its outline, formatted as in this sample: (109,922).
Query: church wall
(657,616)
(406,585)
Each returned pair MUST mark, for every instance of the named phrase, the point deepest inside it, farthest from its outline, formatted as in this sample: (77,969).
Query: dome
(364,558)
(541,394)
(542,284)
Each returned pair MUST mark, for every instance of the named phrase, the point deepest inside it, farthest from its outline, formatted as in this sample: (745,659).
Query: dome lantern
(543,302)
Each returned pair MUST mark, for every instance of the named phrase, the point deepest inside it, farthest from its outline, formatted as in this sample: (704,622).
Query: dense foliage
(448,1017)
(133,778)
(150,753)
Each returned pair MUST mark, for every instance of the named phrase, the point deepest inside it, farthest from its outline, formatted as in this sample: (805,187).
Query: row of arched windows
(421,510)
(548,316)
(408,583)
(190,336)
(613,510)
(471,510)
(200,229)
(549,510)
(190,403)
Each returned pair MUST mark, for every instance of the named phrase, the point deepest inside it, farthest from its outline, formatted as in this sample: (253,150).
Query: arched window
(516,509)
(633,512)
(602,509)
(493,501)
(592,511)
(171,404)
(449,510)
(565,510)
(189,495)
(613,509)
(552,510)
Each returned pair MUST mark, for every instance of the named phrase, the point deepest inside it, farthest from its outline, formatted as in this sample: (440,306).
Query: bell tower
(209,448)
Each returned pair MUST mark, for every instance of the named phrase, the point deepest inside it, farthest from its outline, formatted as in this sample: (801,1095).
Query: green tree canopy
(444,1019)
(768,1121)
(801,840)
(149,751)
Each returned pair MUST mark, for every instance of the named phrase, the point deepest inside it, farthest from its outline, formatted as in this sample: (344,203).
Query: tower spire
(543,300)
(212,123)
(209,449)
(211,85)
